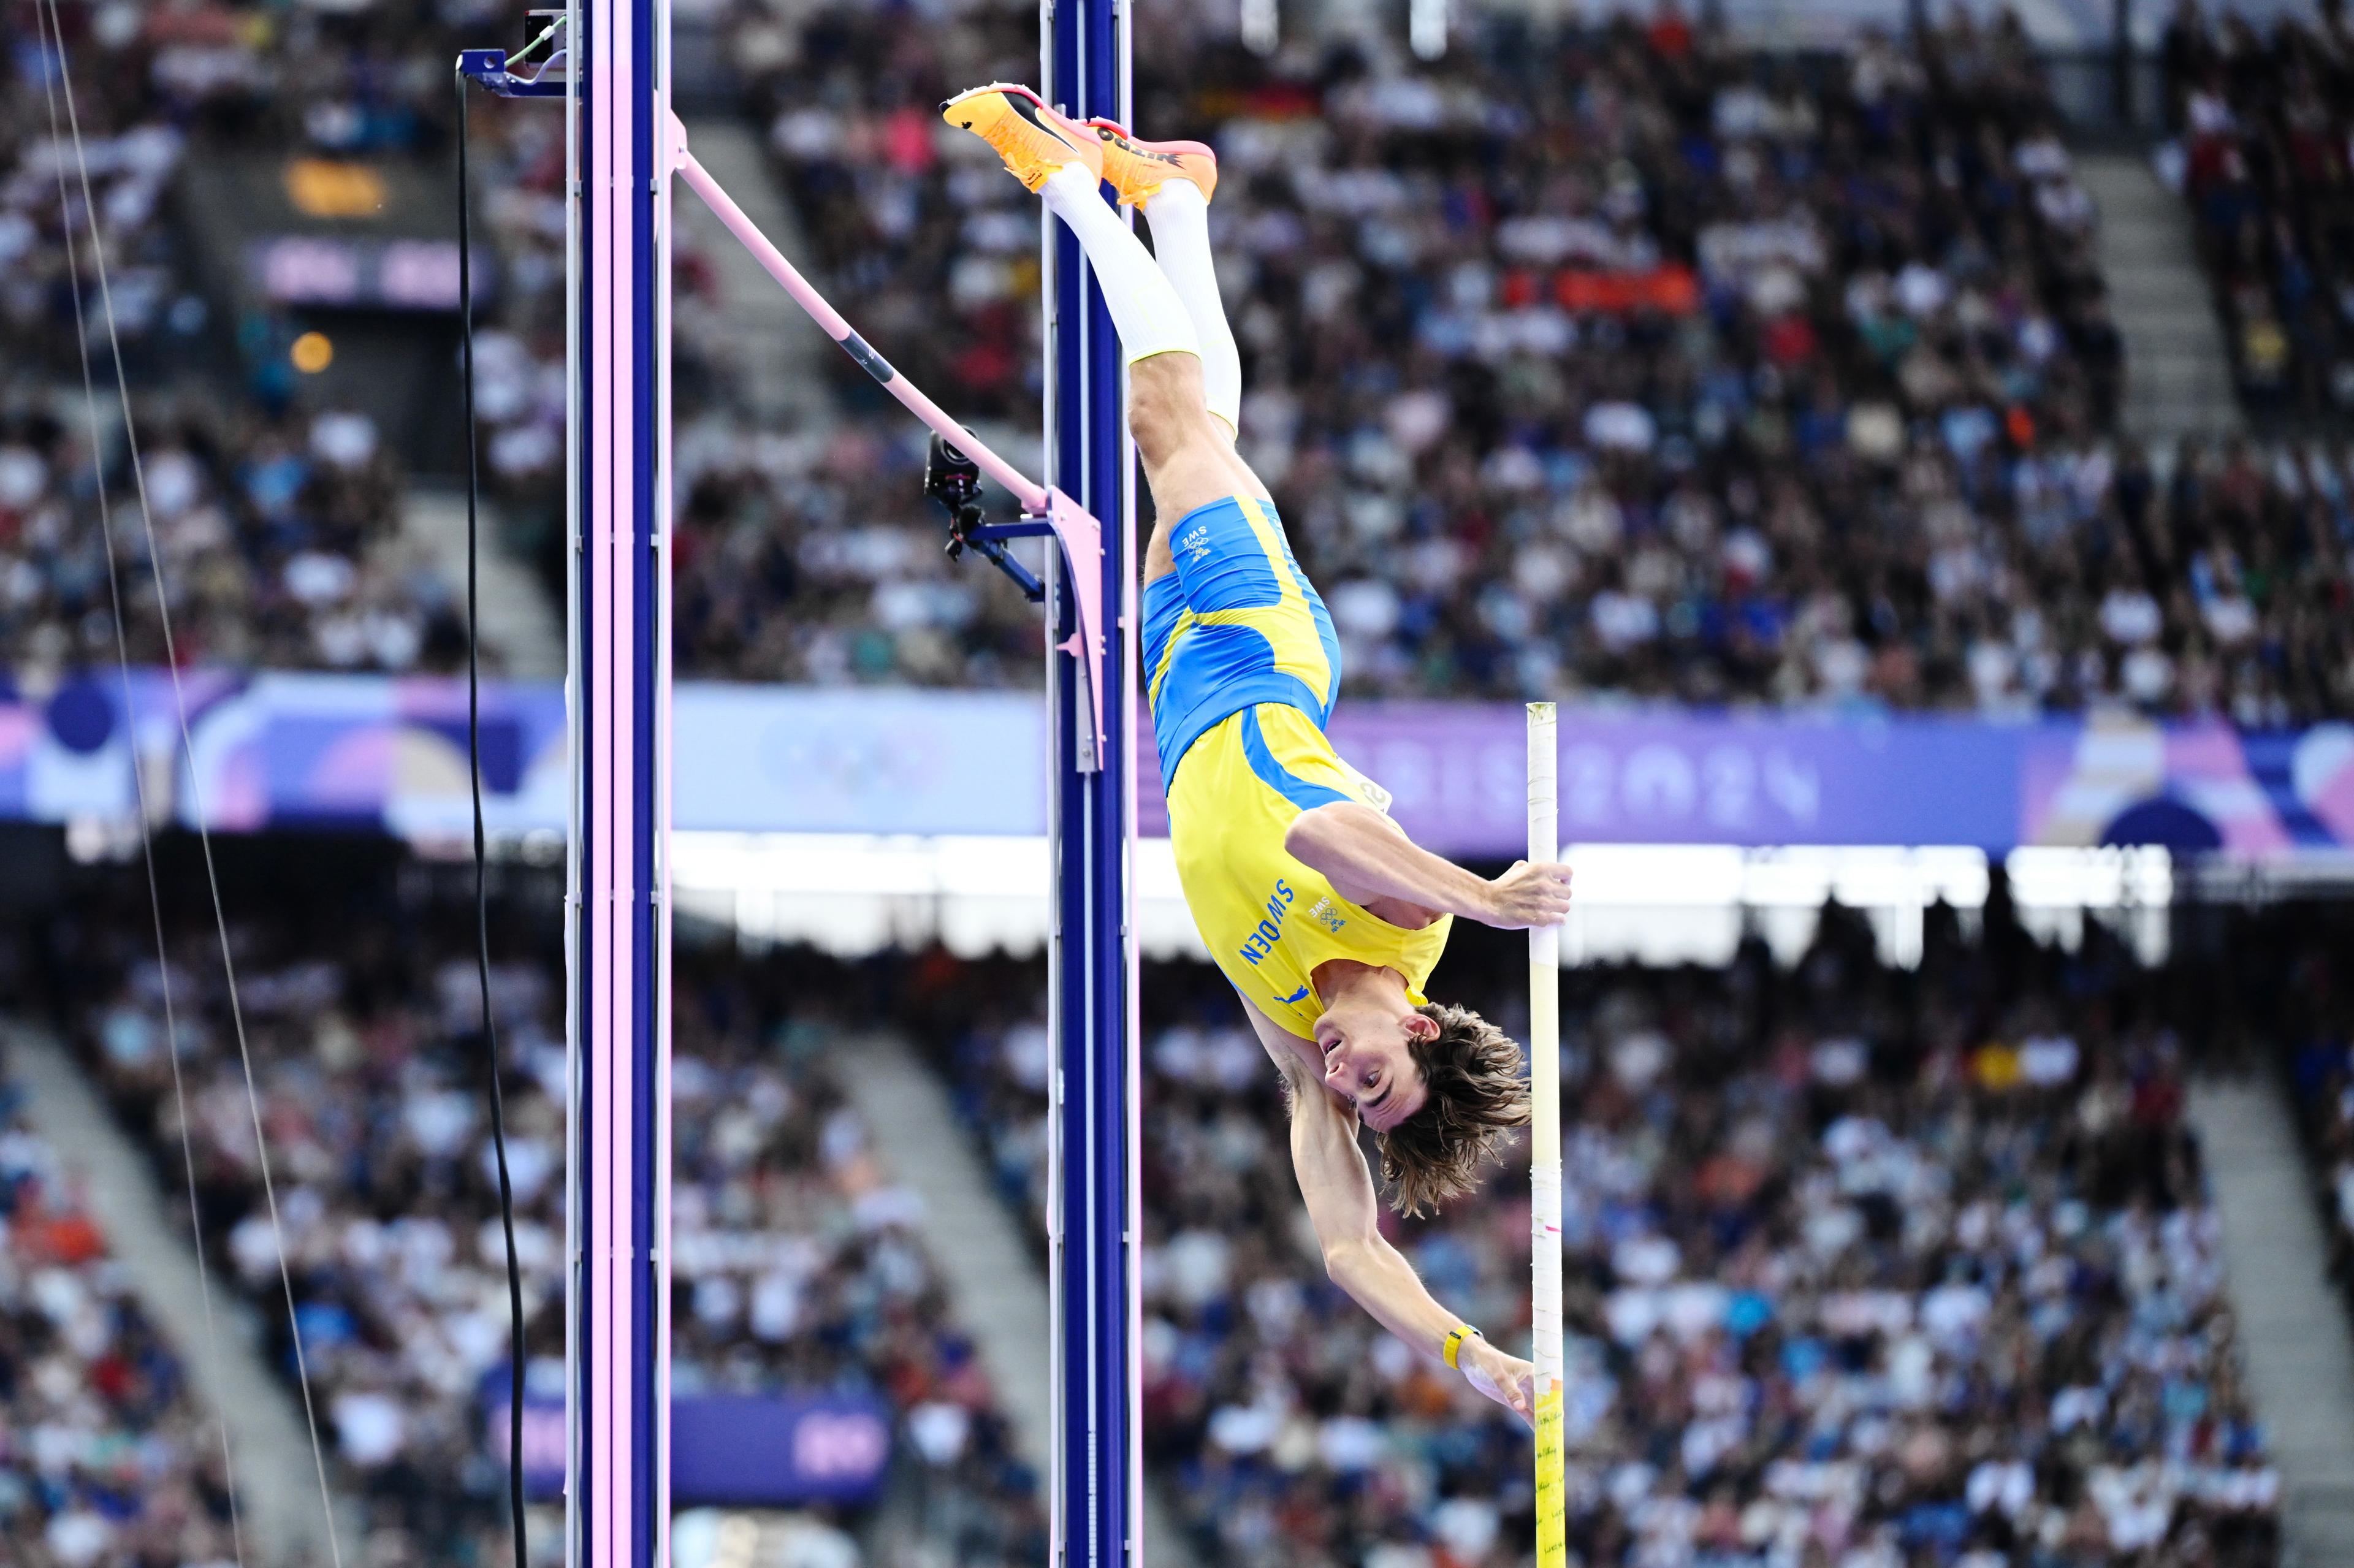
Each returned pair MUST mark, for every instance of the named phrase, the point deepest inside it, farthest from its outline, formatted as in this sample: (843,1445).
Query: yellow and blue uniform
(1242,668)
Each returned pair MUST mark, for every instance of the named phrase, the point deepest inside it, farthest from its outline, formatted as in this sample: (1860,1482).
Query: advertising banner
(745,1450)
(388,755)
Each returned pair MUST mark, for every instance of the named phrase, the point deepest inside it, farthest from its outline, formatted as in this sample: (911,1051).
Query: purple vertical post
(617,1483)
(1094,1230)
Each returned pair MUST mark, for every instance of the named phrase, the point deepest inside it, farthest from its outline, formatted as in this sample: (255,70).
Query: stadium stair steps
(523,630)
(1000,1287)
(2293,1331)
(276,1484)
(2177,373)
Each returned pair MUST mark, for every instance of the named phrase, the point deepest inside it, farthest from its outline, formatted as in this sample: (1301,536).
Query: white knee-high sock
(1149,316)
(1180,215)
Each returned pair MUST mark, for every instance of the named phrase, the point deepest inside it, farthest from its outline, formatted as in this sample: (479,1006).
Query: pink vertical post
(616,1480)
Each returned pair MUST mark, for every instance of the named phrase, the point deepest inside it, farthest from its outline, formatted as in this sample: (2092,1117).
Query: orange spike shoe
(1033,139)
(1136,169)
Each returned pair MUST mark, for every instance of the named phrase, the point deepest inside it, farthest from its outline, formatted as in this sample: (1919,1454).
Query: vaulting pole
(1095,1226)
(617,1330)
(1544,1150)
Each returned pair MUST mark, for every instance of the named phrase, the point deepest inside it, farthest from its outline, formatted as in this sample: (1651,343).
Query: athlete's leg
(1188,457)
(1180,215)
(1184,409)
(1150,317)
(1173,182)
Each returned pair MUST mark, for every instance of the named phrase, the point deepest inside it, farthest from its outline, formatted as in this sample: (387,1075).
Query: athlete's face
(1369,1061)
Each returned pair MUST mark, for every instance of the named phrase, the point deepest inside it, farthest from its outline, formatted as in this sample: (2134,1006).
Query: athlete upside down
(1319,908)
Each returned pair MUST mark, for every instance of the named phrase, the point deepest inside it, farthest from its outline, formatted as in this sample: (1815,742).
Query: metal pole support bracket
(1081,537)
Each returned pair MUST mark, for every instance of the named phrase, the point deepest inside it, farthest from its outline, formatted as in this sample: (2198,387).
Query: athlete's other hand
(1507,1380)
(1530,894)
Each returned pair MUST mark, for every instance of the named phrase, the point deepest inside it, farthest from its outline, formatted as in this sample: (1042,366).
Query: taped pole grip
(1544,1154)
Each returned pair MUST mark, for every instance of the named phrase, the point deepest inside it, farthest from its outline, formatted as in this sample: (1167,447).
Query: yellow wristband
(1454,1342)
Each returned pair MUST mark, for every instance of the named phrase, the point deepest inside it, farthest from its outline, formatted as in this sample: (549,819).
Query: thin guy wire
(195,789)
(139,784)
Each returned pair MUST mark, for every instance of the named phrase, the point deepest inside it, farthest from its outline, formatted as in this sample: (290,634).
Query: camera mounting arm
(953,480)
(503,73)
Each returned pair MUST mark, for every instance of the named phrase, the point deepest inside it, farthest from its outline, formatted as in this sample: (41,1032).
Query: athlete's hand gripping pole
(1545,1151)
(1073,525)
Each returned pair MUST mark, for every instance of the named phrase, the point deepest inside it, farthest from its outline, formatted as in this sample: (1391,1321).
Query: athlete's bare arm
(1346,1211)
(1366,856)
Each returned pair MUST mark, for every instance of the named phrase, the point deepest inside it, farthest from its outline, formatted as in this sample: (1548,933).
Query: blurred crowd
(276,514)
(1614,361)
(1609,360)
(2264,117)
(1864,1266)
(103,1457)
(795,1266)
(277,538)
(2318,1024)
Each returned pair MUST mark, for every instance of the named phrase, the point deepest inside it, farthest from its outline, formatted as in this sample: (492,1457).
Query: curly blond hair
(1476,1095)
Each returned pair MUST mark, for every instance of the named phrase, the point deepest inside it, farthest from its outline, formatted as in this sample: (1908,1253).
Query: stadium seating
(795,1267)
(1863,1267)
(104,1458)
(1616,362)
(2263,122)
(277,538)
(1613,362)
(2302,1017)
(277,514)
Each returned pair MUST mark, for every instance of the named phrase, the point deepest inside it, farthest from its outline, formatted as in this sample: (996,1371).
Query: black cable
(481,893)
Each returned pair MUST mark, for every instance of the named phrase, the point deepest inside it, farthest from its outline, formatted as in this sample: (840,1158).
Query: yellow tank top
(1270,920)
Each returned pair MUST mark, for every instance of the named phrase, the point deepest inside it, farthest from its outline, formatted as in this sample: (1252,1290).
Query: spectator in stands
(2264,127)
(278,517)
(278,542)
(1614,361)
(2314,1022)
(103,1457)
